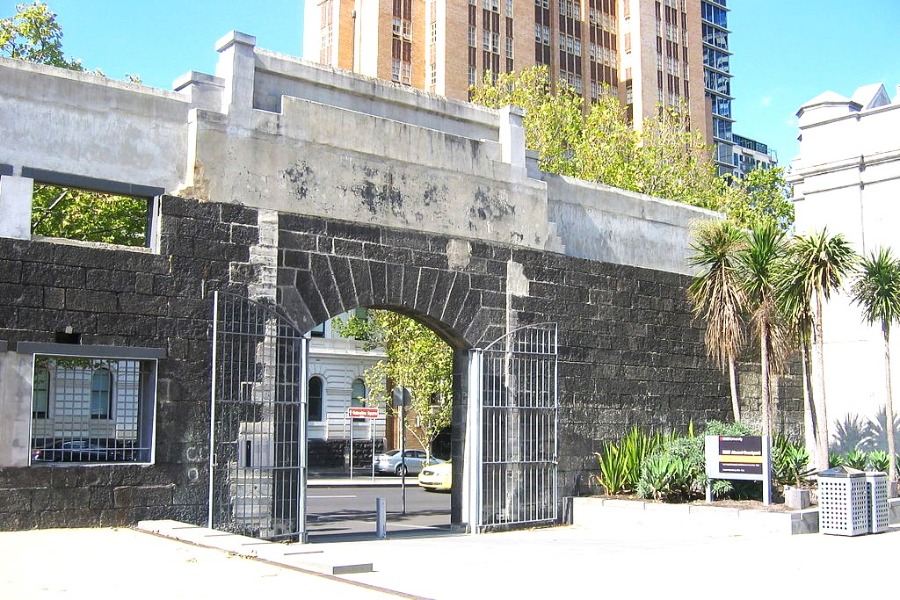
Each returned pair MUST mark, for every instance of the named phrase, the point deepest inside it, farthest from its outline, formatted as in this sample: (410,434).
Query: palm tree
(794,306)
(819,263)
(718,297)
(877,291)
(759,262)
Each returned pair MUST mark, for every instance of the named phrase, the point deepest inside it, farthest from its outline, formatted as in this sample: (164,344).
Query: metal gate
(258,457)
(512,431)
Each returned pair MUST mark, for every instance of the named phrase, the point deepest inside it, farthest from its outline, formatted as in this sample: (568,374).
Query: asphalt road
(349,511)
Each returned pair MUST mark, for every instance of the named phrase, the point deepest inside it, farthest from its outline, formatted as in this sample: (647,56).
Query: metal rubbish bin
(879,515)
(843,501)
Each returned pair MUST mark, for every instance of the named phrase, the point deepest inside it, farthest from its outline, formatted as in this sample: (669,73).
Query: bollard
(380,519)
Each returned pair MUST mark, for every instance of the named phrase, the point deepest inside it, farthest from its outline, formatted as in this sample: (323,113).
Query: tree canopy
(416,359)
(33,34)
(667,158)
(90,216)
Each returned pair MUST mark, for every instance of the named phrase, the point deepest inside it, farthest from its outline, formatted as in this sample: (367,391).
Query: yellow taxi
(437,477)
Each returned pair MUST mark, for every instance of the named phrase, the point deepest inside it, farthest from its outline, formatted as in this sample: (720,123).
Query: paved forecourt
(560,562)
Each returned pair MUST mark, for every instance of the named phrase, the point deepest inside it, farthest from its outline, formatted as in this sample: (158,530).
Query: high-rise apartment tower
(717,79)
(646,52)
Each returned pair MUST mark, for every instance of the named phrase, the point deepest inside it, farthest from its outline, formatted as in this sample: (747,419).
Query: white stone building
(337,367)
(847,178)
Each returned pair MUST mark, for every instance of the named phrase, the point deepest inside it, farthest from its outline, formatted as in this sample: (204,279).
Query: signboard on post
(363,412)
(739,457)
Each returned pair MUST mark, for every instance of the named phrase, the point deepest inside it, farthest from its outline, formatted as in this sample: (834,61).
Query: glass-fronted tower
(717,79)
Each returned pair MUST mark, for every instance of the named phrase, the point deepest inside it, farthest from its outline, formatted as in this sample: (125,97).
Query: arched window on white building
(315,399)
(40,406)
(358,393)
(101,394)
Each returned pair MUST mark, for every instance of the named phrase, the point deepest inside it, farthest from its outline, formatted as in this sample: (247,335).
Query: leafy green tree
(553,121)
(877,290)
(596,143)
(760,196)
(674,161)
(666,158)
(90,216)
(416,359)
(759,263)
(718,297)
(33,34)
(817,265)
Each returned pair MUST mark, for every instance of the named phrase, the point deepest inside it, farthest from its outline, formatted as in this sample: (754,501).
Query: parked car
(73,451)
(390,462)
(437,477)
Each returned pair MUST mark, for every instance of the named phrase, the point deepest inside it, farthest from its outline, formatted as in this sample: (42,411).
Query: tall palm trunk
(889,406)
(765,386)
(732,380)
(819,383)
(809,409)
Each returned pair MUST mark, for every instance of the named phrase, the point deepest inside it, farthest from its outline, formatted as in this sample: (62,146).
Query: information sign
(363,412)
(739,457)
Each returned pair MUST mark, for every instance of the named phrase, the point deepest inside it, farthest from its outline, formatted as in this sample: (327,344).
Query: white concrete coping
(301,557)
(235,37)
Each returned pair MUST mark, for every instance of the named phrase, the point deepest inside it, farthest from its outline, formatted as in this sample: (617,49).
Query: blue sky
(785,51)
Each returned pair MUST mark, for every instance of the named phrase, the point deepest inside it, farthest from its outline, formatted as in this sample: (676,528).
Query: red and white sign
(363,412)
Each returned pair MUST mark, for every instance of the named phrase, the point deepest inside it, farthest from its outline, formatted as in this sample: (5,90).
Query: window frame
(321,399)
(55,443)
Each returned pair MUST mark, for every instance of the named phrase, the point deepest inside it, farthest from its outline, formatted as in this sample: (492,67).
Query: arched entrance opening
(281,419)
(361,446)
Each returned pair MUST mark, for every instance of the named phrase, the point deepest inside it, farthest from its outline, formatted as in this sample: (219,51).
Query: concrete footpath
(623,559)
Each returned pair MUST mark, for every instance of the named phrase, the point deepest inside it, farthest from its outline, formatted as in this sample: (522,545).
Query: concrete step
(299,556)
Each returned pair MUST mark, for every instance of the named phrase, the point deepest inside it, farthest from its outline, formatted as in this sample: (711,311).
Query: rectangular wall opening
(92,410)
(90,216)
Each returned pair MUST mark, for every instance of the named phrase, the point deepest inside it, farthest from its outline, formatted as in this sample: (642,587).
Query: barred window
(92,410)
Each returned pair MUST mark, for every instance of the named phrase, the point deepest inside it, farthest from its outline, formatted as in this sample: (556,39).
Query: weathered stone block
(10,271)
(141,304)
(145,496)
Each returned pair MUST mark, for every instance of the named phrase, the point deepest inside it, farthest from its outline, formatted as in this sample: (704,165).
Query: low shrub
(620,462)
(790,462)
(876,460)
(675,471)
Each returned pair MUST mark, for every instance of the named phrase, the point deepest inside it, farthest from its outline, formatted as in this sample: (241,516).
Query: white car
(410,463)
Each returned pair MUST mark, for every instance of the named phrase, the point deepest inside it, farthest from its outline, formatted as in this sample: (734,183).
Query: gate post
(212,408)
(471,496)
(302,447)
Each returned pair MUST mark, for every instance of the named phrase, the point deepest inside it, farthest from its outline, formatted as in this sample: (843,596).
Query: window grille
(92,410)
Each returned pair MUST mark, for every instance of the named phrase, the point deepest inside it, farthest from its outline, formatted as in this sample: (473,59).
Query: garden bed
(637,516)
